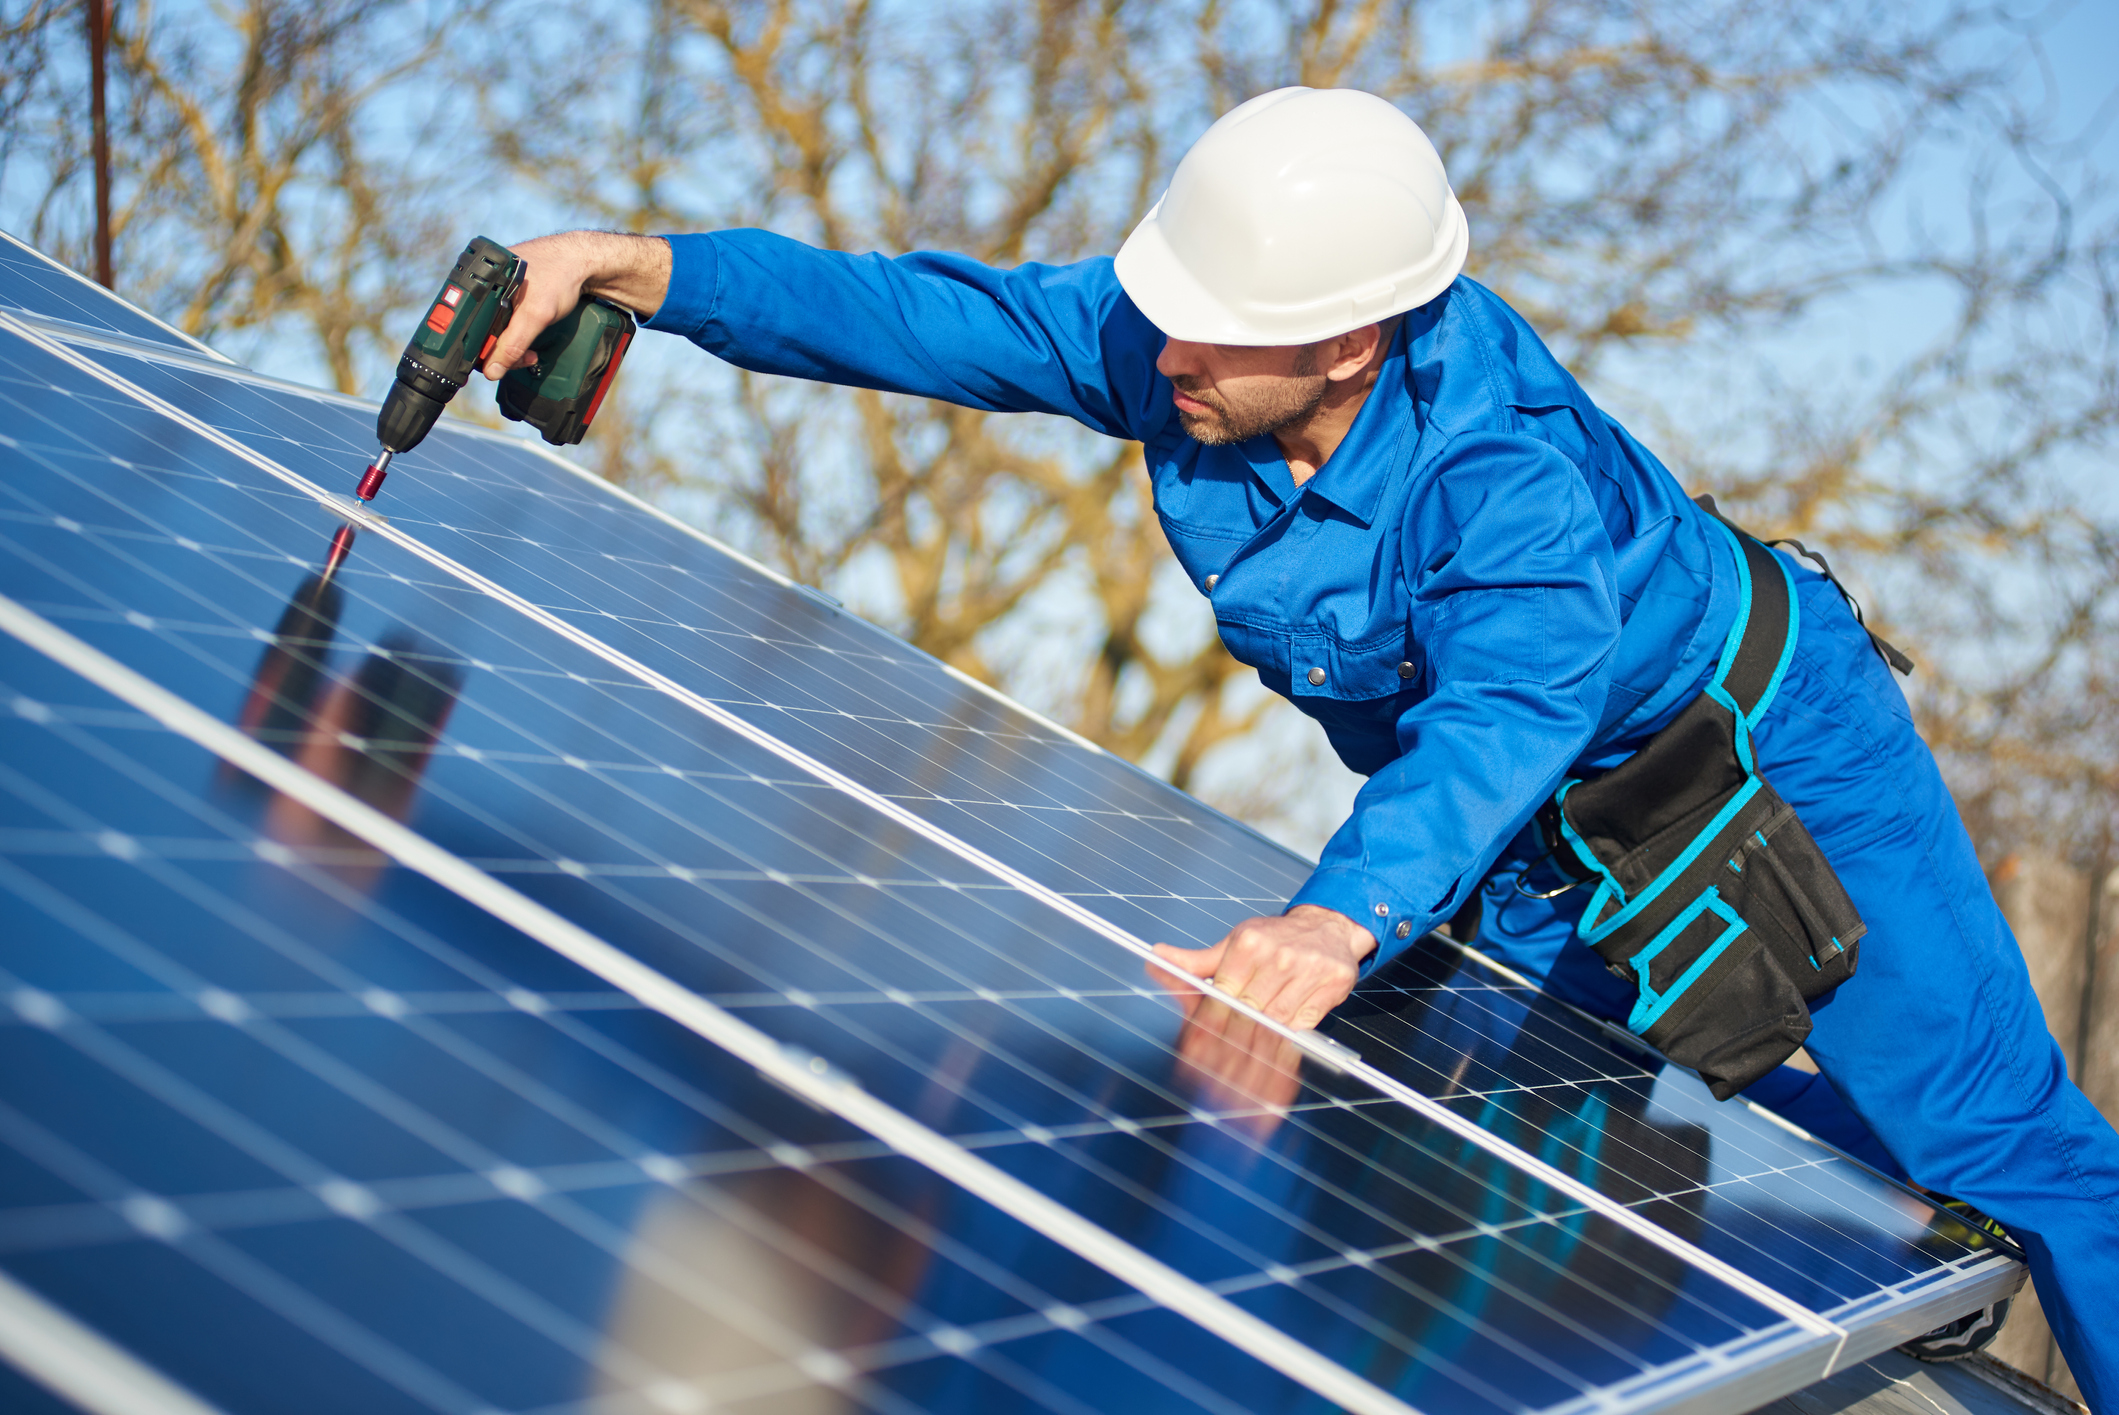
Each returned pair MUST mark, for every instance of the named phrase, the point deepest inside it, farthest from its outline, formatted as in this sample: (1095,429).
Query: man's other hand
(633,271)
(1294,968)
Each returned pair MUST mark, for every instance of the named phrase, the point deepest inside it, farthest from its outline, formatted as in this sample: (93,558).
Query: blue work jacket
(1488,583)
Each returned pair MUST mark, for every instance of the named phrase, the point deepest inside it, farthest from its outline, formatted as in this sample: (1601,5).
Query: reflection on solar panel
(537,960)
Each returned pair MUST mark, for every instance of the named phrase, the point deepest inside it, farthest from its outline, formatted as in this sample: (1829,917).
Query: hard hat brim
(1175,302)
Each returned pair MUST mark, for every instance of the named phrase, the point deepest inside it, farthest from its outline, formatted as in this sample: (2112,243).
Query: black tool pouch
(1711,898)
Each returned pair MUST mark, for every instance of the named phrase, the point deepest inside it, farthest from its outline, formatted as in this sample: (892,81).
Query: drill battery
(577,356)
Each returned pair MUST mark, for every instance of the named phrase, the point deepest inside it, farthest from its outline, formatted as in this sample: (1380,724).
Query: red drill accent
(371,483)
(610,371)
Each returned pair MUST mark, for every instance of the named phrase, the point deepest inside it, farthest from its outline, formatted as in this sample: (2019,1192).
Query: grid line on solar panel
(399,577)
(74,1361)
(811,1079)
(318,1191)
(1316,1045)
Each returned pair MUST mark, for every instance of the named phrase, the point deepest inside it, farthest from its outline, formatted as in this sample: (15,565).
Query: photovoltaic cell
(1439,1269)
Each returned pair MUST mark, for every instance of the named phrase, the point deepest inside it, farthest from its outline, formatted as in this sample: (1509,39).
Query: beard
(1282,404)
(1224,422)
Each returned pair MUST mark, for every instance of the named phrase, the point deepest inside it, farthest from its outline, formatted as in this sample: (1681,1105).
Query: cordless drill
(558,394)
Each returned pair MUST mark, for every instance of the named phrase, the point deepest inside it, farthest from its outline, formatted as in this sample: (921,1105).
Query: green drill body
(558,394)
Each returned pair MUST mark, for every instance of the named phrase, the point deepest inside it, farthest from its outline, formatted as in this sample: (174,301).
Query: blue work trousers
(1937,1044)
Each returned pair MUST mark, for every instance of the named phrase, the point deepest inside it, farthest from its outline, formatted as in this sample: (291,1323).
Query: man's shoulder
(1477,365)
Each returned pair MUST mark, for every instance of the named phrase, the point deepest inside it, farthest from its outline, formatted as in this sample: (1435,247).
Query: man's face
(1229,393)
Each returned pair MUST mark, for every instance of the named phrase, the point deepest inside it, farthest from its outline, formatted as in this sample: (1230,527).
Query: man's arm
(1037,338)
(1526,623)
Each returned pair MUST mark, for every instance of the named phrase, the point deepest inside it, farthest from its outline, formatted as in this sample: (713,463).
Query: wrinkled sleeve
(1508,554)
(1038,338)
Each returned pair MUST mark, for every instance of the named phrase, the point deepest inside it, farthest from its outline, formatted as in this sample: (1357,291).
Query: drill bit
(372,479)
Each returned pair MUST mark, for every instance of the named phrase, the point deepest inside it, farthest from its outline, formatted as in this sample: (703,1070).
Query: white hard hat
(1299,215)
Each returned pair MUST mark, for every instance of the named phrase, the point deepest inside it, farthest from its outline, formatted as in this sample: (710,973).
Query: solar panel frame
(1900,1305)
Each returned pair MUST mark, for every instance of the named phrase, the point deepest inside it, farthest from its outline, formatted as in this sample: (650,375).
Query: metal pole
(2086,1014)
(99,125)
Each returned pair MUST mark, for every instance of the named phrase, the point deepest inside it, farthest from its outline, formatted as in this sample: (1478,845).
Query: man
(1414,523)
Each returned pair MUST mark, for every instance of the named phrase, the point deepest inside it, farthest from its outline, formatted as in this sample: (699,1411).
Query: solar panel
(796,846)
(401,1157)
(34,286)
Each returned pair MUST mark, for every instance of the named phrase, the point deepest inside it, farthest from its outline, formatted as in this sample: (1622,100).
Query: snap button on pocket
(1316,676)
(1406,669)
(1212,581)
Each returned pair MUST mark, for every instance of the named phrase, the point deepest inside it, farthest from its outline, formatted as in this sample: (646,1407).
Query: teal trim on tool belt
(1597,933)
(1593,927)
(1651,1005)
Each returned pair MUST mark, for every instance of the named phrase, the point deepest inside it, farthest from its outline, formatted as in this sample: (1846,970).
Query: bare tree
(25,53)
(263,183)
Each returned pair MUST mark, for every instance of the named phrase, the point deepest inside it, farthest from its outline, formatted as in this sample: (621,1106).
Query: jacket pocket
(1322,666)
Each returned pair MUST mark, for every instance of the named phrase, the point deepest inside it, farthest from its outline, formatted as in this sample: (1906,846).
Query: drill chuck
(408,415)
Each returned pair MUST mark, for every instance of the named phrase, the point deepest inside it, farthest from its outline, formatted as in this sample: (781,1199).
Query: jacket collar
(1354,476)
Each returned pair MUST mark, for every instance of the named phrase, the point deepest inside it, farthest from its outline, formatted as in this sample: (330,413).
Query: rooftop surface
(1896,1384)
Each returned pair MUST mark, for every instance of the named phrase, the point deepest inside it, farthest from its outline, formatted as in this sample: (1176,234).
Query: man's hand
(633,271)
(1294,968)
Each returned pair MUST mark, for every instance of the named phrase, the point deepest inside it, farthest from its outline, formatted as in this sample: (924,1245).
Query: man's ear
(1350,352)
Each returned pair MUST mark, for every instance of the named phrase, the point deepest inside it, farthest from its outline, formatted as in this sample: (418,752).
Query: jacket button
(1212,581)
(1383,911)
(1405,929)
(1406,670)
(1317,678)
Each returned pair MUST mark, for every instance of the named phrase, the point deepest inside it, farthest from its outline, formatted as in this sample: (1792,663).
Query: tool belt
(1711,898)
